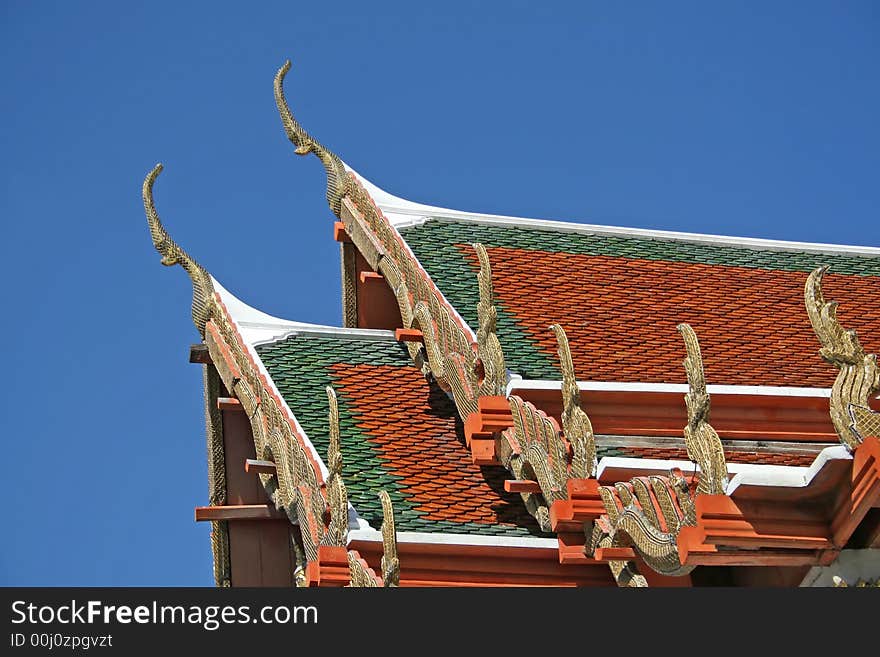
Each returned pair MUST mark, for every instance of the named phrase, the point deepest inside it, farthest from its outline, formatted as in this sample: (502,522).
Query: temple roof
(532,386)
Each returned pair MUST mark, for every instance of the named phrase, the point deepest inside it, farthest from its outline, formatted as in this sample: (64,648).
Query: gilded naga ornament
(172,254)
(337,178)
(360,573)
(337,497)
(491,357)
(575,423)
(701,440)
(858,379)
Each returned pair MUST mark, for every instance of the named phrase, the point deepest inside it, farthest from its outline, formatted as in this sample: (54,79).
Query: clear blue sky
(751,118)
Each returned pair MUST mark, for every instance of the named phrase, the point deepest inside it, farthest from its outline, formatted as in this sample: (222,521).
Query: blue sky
(754,119)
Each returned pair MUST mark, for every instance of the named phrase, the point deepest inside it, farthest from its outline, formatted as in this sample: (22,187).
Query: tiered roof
(477,420)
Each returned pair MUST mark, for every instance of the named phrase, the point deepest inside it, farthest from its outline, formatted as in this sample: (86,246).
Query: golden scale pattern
(858,379)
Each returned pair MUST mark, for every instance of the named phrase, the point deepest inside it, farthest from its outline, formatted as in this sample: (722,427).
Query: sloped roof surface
(620,298)
(399,433)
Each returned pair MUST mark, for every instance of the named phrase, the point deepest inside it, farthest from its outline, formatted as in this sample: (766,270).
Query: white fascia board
(792,477)
(257,327)
(751,474)
(682,388)
(238,310)
(457,539)
(381,198)
(402,213)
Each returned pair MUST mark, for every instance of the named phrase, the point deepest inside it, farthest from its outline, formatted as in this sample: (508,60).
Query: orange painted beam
(257,466)
(753,532)
(583,505)
(614,554)
(409,335)
(371,276)
(481,428)
(493,416)
(470,565)
(483,451)
(742,417)
(331,569)
(571,548)
(863,493)
(339,233)
(521,486)
(229,404)
(239,512)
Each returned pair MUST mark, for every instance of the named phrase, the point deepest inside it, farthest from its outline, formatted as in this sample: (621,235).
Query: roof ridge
(403,213)
(258,327)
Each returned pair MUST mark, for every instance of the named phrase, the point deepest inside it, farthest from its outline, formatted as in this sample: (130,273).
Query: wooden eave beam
(239,512)
(753,417)
(331,569)
(198,353)
(521,486)
(409,335)
(863,491)
(229,404)
(339,233)
(258,466)
(469,565)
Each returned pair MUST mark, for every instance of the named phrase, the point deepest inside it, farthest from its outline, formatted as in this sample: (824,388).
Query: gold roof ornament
(701,440)
(360,573)
(337,178)
(390,562)
(337,496)
(172,254)
(858,379)
(491,357)
(648,513)
(576,424)
(632,520)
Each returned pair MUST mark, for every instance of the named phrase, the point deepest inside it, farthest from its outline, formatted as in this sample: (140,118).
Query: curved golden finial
(334,451)
(172,254)
(390,562)
(858,379)
(575,422)
(488,347)
(337,178)
(702,442)
(337,496)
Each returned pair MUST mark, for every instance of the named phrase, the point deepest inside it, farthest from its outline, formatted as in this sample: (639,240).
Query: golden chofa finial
(390,562)
(489,350)
(337,177)
(858,379)
(575,422)
(702,442)
(172,254)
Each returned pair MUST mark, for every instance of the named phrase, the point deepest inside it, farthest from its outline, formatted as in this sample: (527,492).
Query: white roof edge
(238,310)
(625,386)
(752,474)
(402,212)
(456,539)
(257,327)
(380,198)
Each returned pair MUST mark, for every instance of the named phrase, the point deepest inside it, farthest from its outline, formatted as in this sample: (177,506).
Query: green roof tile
(302,365)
